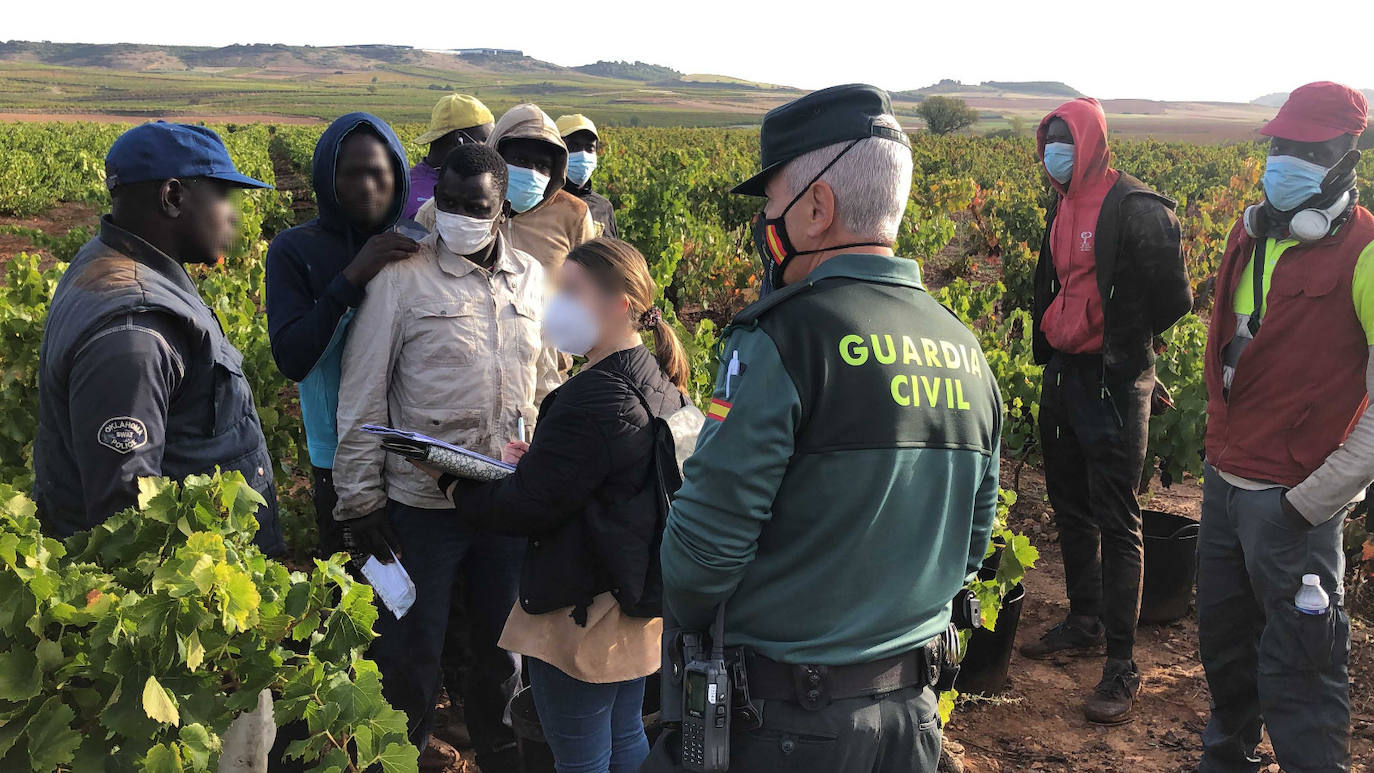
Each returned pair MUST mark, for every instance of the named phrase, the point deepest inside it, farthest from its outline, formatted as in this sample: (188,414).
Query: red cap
(1319,112)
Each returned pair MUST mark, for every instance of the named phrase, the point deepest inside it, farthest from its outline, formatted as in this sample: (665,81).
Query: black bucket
(535,755)
(1170,566)
(988,657)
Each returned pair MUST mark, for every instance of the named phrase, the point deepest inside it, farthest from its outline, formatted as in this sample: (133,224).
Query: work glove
(371,535)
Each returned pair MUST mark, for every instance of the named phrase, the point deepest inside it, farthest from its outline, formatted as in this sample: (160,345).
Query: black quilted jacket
(591,447)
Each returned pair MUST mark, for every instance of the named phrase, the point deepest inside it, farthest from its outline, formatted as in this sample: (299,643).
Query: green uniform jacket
(845,484)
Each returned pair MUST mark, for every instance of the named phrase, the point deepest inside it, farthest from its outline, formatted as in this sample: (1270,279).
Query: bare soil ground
(1037,725)
(54,222)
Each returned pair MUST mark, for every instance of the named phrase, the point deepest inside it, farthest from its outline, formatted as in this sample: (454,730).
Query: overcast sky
(1156,49)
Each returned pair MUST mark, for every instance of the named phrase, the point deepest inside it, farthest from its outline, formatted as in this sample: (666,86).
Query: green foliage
(133,646)
(1006,343)
(945,115)
(23,309)
(1176,437)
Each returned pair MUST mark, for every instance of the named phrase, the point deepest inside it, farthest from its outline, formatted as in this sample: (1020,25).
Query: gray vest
(107,280)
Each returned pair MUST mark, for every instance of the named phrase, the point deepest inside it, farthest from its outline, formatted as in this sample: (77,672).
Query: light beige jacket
(445,348)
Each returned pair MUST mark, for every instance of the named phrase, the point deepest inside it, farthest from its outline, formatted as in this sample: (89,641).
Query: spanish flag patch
(719,410)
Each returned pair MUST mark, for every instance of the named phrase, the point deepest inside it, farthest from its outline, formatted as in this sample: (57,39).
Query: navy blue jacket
(137,379)
(309,301)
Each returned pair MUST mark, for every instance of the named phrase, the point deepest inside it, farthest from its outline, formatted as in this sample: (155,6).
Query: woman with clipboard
(588,492)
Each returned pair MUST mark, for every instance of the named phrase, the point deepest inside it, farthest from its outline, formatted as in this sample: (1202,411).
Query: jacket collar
(140,251)
(458,266)
(851,265)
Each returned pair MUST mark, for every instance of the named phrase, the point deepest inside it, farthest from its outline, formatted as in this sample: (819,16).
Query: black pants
(435,549)
(1094,447)
(898,732)
(331,536)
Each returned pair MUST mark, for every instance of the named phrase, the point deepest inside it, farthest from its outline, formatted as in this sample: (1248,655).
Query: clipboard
(452,459)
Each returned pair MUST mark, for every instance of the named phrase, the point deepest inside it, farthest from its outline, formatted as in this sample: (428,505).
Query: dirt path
(54,222)
(1037,725)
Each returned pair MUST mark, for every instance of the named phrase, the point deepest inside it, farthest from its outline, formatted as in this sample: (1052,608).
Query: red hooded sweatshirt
(1073,322)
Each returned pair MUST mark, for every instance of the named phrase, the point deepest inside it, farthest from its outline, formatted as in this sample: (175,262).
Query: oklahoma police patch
(123,434)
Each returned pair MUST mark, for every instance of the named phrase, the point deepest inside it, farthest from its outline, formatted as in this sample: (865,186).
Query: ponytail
(620,267)
(671,357)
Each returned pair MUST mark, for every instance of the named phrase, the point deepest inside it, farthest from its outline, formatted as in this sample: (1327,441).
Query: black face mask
(775,248)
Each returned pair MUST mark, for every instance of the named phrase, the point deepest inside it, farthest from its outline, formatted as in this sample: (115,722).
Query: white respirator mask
(462,234)
(570,326)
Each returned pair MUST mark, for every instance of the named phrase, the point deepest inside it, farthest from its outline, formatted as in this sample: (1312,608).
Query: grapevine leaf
(336,761)
(162,758)
(10,732)
(350,624)
(195,653)
(158,704)
(946,705)
(363,738)
(49,654)
(399,758)
(20,677)
(51,738)
(198,744)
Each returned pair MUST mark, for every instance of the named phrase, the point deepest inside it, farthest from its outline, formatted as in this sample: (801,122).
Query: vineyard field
(975,222)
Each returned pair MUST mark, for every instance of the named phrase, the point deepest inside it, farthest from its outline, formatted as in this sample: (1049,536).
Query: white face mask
(570,326)
(462,234)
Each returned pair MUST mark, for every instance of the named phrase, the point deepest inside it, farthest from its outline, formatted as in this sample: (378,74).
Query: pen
(520,427)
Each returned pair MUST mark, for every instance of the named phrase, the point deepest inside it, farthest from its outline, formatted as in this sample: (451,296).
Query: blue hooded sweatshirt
(309,301)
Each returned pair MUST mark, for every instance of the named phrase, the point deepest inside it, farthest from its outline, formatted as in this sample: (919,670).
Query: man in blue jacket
(317,272)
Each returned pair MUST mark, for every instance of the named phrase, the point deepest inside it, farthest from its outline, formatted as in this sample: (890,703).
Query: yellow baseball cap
(454,111)
(567,124)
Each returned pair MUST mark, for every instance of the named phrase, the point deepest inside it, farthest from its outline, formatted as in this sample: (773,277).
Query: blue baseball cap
(162,151)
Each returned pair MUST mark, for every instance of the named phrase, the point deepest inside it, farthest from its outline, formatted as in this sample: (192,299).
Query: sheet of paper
(392,584)
(416,437)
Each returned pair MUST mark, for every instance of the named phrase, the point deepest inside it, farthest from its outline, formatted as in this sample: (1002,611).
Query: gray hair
(872,182)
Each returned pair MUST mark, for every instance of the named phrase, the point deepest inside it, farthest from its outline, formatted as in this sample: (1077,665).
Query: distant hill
(635,71)
(1279,97)
(1030,88)
(275,83)
(265,81)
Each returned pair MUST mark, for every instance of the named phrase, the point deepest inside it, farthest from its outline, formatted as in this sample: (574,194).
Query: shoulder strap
(653,428)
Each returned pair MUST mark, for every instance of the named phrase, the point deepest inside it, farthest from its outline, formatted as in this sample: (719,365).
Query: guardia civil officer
(846,480)
(136,377)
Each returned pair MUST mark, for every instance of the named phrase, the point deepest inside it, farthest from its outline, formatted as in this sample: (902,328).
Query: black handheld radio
(706,705)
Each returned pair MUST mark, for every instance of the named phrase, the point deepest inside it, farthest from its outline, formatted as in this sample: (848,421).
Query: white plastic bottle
(1311,599)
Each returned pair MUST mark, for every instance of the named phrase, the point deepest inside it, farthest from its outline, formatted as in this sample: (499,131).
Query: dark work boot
(1077,635)
(1114,699)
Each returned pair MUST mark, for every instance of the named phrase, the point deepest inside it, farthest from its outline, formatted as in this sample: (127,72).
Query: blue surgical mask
(1059,161)
(525,187)
(1290,181)
(580,166)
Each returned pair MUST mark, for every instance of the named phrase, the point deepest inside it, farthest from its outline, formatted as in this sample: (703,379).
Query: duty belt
(815,687)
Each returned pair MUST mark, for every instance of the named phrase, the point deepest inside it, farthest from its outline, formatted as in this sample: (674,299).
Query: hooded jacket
(550,229)
(309,301)
(1123,280)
